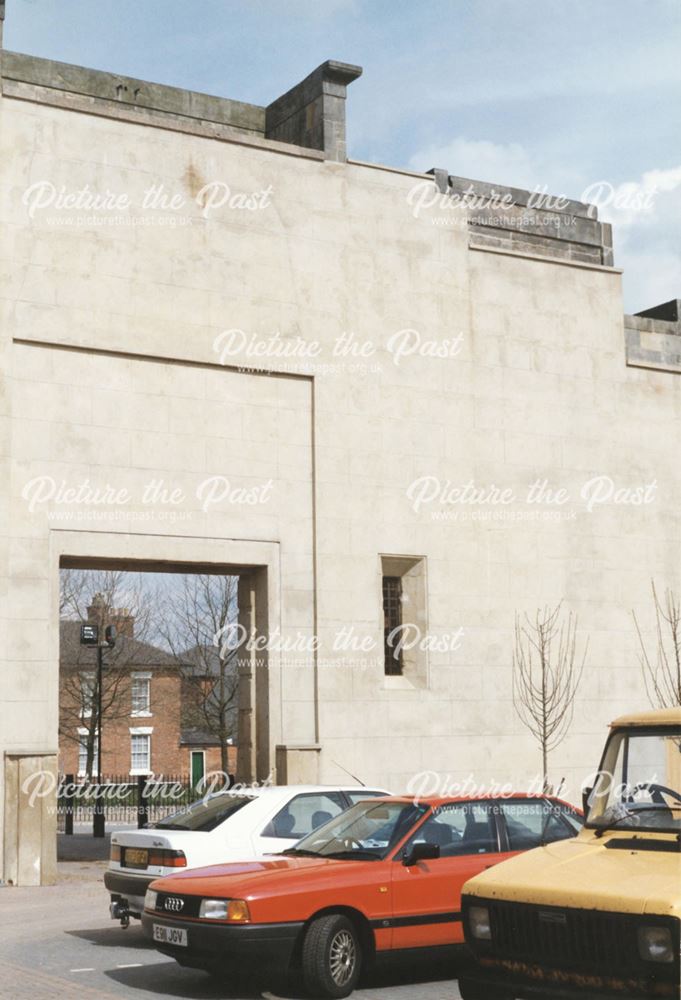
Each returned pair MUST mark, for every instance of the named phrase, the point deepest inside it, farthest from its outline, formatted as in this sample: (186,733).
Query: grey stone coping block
(150,118)
(129,91)
(519,196)
(540,222)
(527,243)
(331,78)
(312,113)
(648,322)
(657,351)
(653,337)
(527,220)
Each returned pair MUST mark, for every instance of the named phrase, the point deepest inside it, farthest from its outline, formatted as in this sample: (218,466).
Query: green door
(198,766)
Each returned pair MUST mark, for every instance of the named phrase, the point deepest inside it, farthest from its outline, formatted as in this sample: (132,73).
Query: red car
(382,877)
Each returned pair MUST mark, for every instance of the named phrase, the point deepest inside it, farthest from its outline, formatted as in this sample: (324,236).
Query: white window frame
(141,713)
(141,731)
(83,746)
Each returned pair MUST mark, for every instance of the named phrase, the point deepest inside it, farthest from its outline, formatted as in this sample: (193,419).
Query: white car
(231,826)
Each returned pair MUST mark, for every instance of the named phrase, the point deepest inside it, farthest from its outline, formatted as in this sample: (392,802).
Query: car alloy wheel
(342,957)
(331,957)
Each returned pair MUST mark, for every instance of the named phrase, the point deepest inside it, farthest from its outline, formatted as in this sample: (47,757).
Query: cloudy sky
(562,95)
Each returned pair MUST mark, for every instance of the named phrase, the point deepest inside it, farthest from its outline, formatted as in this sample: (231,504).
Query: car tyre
(331,957)
(470,990)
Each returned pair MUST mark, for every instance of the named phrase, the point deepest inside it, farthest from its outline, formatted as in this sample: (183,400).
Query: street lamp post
(89,636)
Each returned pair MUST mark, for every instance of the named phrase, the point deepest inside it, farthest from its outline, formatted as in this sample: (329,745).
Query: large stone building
(226,345)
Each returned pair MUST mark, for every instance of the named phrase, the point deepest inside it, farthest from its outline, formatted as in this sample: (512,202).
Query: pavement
(82,846)
(59,942)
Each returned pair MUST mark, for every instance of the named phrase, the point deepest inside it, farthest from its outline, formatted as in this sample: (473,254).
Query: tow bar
(119,911)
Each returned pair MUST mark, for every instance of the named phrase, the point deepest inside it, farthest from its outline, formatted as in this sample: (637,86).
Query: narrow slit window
(392,615)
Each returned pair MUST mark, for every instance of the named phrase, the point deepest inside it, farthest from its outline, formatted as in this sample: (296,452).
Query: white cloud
(646,218)
(645,212)
(481,160)
(650,277)
(635,203)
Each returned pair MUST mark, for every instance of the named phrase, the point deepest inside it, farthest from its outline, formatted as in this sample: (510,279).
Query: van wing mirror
(586,795)
(420,852)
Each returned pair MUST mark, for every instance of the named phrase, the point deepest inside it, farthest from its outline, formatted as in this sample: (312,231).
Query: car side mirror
(420,852)
(586,795)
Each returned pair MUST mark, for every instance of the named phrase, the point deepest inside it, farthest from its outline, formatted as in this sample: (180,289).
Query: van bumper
(573,986)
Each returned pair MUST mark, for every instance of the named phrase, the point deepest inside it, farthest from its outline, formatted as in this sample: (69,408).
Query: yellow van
(598,916)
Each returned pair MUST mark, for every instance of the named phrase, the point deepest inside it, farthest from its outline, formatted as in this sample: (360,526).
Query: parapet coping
(565,261)
(103,108)
(132,92)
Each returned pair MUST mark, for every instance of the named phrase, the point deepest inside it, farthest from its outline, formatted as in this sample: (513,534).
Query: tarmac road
(59,942)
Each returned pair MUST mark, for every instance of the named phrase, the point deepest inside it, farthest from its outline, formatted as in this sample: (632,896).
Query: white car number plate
(170,935)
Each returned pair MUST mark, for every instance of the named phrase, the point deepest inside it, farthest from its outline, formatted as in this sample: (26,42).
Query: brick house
(150,723)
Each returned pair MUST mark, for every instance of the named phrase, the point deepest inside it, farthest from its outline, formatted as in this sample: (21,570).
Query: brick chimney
(124,622)
(99,613)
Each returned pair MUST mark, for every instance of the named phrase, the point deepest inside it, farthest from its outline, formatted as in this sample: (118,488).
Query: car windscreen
(367,831)
(204,815)
(639,784)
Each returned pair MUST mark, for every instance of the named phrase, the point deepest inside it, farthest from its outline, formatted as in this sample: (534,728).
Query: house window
(141,701)
(87,694)
(392,621)
(82,753)
(140,753)
(405,621)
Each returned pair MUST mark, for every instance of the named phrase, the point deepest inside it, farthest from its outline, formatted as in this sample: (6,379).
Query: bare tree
(198,614)
(546,676)
(97,597)
(662,669)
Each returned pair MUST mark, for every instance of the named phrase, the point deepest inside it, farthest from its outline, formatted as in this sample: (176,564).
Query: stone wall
(116,369)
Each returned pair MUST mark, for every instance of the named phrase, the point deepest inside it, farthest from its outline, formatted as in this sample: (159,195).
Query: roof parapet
(530,222)
(312,114)
(124,90)
(653,337)
(668,312)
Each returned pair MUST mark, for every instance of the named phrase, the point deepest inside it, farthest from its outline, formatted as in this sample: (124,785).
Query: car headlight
(234,910)
(655,944)
(479,923)
(150,898)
